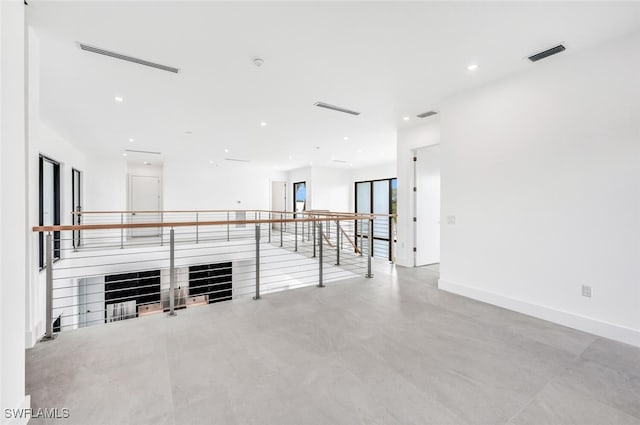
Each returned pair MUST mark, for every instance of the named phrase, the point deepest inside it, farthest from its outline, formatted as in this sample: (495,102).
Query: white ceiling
(386,60)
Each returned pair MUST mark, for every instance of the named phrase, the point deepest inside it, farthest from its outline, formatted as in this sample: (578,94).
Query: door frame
(371,202)
(76,205)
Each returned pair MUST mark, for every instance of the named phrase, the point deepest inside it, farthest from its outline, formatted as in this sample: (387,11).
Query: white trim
(565,318)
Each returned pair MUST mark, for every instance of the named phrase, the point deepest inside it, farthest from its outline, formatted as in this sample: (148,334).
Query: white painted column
(13,199)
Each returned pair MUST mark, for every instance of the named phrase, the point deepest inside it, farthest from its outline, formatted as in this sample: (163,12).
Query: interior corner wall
(541,171)
(409,139)
(13,202)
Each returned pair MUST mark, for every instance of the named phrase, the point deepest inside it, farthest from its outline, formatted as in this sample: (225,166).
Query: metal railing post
(321,283)
(281,224)
(257,296)
(361,237)
(172,274)
(48,333)
(197,229)
(369,274)
(227,226)
(162,229)
(337,242)
(314,239)
(270,225)
(121,231)
(296,237)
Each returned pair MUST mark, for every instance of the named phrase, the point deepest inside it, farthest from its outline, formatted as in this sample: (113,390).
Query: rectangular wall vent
(336,108)
(127,58)
(148,152)
(552,51)
(426,114)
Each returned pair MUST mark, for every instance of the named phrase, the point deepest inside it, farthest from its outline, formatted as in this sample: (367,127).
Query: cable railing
(119,265)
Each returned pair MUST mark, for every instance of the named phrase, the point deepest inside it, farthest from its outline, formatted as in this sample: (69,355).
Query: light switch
(451,219)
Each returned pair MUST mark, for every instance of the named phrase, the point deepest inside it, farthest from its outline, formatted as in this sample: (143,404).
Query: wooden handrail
(60,228)
(355,247)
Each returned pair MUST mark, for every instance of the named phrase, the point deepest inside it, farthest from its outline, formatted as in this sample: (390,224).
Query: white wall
(409,139)
(13,203)
(332,189)
(384,170)
(43,141)
(227,186)
(542,173)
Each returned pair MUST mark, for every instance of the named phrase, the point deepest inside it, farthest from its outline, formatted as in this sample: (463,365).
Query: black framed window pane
(49,203)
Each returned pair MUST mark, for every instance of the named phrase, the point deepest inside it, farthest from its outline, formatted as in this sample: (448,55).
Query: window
(377,197)
(49,214)
(299,196)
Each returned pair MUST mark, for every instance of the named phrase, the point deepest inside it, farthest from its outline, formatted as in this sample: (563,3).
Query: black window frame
(56,208)
(295,184)
(371,202)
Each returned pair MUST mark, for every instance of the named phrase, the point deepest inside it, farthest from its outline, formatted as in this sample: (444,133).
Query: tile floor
(390,350)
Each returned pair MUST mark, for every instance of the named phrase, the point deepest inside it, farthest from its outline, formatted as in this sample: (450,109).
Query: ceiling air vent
(341,161)
(237,160)
(426,114)
(336,108)
(148,152)
(127,58)
(549,52)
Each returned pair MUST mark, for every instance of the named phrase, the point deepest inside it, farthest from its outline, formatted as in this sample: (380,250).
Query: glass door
(377,197)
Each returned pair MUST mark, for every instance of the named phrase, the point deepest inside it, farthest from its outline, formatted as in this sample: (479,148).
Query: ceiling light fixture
(226,151)
(264,124)
(119,99)
(406,118)
(359,150)
(472,67)
(346,138)
(124,154)
(258,62)
(131,140)
(290,156)
(147,163)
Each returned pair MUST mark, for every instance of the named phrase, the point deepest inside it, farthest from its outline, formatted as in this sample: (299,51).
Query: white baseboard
(565,318)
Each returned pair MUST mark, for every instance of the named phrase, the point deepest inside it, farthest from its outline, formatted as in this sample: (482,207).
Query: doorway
(299,197)
(377,197)
(427,205)
(145,204)
(76,204)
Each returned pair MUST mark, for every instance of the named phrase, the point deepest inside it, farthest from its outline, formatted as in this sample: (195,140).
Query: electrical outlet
(451,219)
(586,291)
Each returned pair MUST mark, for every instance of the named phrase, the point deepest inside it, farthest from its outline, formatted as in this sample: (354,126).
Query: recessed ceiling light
(290,156)
(124,154)
(119,99)
(350,165)
(264,124)
(132,140)
(147,163)
(226,150)
(211,161)
(346,137)
(406,118)
(359,150)
(472,67)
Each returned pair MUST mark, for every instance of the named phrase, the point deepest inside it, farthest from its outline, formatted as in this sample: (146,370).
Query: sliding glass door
(377,197)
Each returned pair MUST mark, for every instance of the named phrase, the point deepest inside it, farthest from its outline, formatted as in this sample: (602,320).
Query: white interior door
(145,196)
(278,199)
(427,205)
